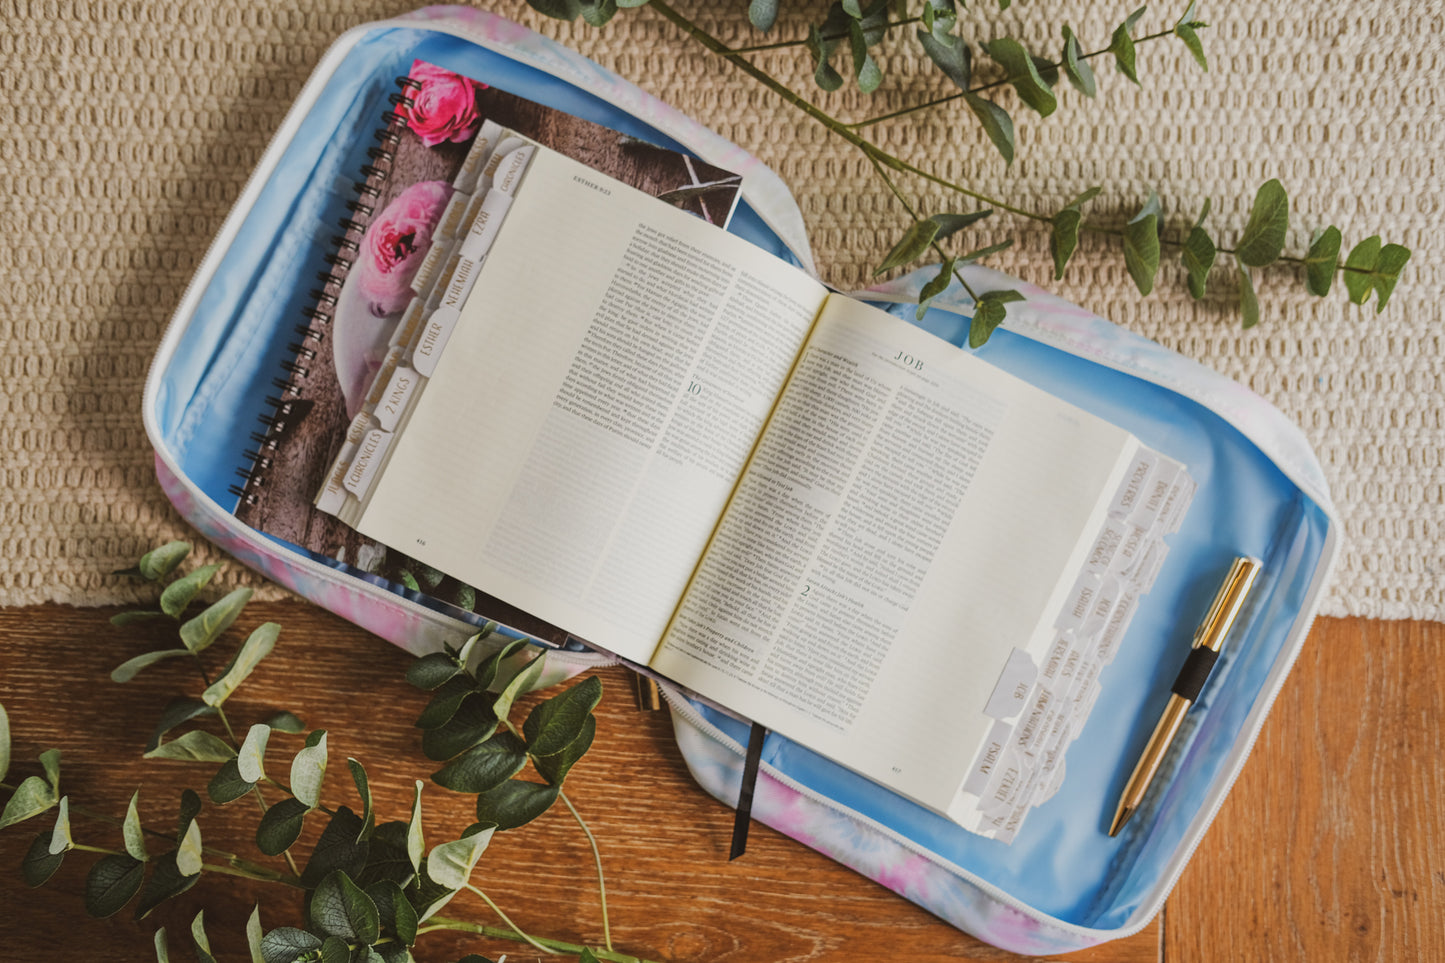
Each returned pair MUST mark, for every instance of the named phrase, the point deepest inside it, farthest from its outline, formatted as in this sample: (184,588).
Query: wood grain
(1329,847)
(672,893)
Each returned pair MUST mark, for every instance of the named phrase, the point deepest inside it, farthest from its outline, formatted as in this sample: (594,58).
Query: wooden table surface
(1329,847)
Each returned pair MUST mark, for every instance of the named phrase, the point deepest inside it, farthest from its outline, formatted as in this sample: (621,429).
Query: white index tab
(433,338)
(369,455)
(395,397)
(1013,686)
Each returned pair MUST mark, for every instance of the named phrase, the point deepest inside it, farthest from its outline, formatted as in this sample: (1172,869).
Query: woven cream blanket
(127,129)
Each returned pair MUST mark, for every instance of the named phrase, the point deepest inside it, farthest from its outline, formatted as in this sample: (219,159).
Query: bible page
(593,406)
(910,517)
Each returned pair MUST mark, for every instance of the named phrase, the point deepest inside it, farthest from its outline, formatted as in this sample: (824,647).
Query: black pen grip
(1195,672)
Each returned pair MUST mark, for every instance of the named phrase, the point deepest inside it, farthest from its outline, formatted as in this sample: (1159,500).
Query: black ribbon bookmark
(743,817)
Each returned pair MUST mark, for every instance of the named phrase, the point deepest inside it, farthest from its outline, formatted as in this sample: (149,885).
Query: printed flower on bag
(395,244)
(444,108)
(379,286)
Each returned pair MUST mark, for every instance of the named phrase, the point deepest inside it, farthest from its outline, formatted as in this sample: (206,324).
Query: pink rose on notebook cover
(443,107)
(379,287)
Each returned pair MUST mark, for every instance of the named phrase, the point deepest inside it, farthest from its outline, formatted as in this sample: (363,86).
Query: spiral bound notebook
(415,196)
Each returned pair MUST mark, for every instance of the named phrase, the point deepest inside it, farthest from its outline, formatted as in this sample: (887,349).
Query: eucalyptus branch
(447,924)
(597,859)
(992,85)
(793,44)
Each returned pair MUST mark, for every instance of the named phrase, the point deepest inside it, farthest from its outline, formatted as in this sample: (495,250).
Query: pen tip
(1120,818)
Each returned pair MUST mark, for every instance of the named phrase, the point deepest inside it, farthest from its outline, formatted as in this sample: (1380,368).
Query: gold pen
(1208,639)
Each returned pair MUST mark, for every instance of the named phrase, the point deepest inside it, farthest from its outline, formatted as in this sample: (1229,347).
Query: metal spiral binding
(303,353)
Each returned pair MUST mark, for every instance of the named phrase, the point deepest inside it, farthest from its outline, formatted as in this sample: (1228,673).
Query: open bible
(685,451)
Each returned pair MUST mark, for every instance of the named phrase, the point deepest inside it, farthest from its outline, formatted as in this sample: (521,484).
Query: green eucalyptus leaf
(996,123)
(254,935)
(163,953)
(911,246)
(1186,33)
(490,668)
(1360,267)
(60,839)
(179,594)
(188,854)
(1264,235)
(988,314)
(520,684)
(560,10)
(1248,300)
(450,864)
(111,883)
(852,8)
(166,882)
(865,69)
(398,917)
(1321,261)
(515,803)
(972,257)
(160,562)
(281,826)
(1064,238)
(474,722)
(762,14)
(40,863)
(200,940)
(1076,68)
(414,843)
(386,856)
(338,849)
(598,13)
(130,668)
(1388,266)
(227,785)
(935,286)
(341,908)
(287,722)
(190,808)
(1141,248)
(939,16)
(433,669)
(131,830)
(553,766)
(121,619)
(1022,74)
(485,766)
(287,944)
(335,950)
(363,789)
(177,711)
(447,699)
(199,632)
(822,49)
(257,647)
(1198,257)
(194,746)
(951,55)
(308,770)
(1121,45)
(251,759)
(555,723)
(32,797)
(951,224)
(1084,198)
